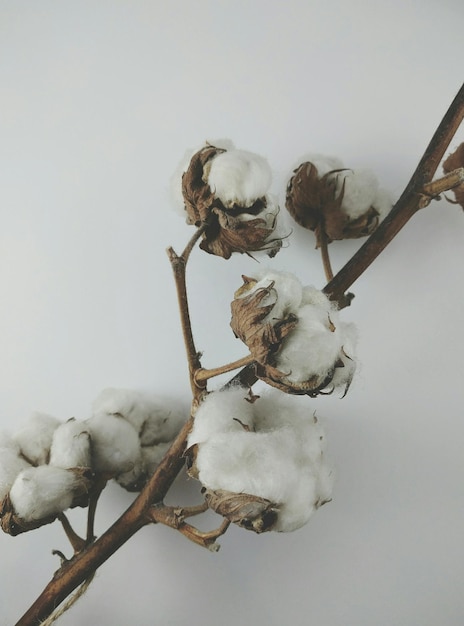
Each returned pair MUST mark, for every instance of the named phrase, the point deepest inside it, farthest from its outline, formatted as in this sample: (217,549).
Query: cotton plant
(258,460)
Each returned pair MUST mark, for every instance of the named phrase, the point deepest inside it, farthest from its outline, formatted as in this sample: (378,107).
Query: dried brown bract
(245,510)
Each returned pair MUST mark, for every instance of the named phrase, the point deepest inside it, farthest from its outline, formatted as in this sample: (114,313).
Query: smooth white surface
(99,102)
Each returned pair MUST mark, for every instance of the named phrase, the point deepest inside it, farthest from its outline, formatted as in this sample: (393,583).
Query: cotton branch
(82,566)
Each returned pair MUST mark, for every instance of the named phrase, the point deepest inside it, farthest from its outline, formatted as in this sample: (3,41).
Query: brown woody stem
(178,264)
(76,542)
(408,204)
(324,247)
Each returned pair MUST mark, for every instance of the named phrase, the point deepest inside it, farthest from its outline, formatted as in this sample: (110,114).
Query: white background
(99,101)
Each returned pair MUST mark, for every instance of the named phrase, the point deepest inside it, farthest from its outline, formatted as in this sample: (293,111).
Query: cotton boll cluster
(50,465)
(294,332)
(229,190)
(275,451)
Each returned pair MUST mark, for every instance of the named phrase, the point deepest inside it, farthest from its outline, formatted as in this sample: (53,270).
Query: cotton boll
(39,492)
(239,177)
(316,297)
(35,437)
(115,444)
(71,445)
(221,412)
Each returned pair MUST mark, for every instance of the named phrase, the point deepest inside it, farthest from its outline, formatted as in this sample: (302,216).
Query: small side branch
(432,191)
(174,518)
(203,375)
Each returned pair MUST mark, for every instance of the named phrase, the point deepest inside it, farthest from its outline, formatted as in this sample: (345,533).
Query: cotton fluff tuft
(35,437)
(11,463)
(280,457)
(322,162)
(39,492)
(71,445)
(361,191)
(239,177)
(154,418)
(222,413)
(115,444)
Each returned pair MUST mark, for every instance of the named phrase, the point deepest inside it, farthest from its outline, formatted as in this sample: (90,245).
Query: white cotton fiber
(35,437)
(285,294)
(221,412)
(115,444)
(383,203)
(152,455)
(39,492)
(11,464)
(312,348)
(155,419)
(71,445)
(239,177)
(281,458)
(360,190)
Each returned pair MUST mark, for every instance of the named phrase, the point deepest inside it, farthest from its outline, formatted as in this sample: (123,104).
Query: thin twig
(205,374)
(324,247)
(76,542)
